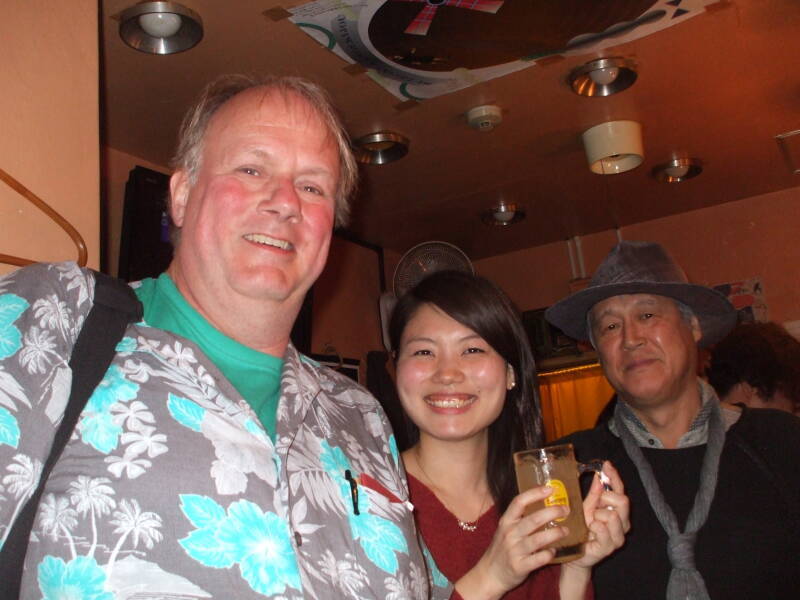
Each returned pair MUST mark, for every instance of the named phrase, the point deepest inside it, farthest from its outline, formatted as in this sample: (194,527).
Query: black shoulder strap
(115,305)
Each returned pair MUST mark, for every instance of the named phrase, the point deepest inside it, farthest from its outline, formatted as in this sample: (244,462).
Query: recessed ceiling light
(380,148)
(160,27)
(503,214)
(677,170)
(603,77)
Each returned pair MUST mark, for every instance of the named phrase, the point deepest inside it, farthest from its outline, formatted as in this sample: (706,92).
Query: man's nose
(632,335)
(282,199)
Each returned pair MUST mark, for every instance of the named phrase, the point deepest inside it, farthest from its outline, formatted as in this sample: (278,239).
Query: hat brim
(713,310)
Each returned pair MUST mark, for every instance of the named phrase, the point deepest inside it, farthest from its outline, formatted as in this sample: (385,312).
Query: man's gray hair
(189,154)
(687,314)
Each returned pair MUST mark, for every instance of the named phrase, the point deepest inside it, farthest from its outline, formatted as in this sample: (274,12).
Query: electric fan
(414,266)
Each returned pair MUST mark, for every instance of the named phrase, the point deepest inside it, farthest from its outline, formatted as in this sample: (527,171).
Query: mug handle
(595,466)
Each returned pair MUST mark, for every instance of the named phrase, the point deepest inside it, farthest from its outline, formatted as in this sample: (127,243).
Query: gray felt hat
(643,268)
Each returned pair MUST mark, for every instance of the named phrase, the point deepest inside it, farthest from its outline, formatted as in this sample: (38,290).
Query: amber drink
(555,466)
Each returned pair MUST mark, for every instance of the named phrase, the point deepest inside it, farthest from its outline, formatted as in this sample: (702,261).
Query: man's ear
(697,331)
(179,188)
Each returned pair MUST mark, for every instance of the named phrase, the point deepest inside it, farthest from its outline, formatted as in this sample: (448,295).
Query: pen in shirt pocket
(373,484)
(353,490)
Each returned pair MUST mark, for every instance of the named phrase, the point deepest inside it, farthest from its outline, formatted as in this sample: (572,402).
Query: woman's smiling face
(451,382)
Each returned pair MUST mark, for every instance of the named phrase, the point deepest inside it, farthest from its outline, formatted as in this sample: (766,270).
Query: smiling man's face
(257,221)
(647,350)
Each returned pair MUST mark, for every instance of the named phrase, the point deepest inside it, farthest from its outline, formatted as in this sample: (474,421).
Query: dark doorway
(145,249)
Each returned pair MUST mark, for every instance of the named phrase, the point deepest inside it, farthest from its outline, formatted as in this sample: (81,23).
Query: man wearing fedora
(714,488)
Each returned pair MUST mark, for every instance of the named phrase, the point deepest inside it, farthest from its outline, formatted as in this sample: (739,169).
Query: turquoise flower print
(126,344)
(261,547)
(334,462)
(11,307)
(9,428)
(79,578)
(113,388)
(378,537)
(187,413)
(202,544)
(393,449)
(97,427)
(100,431)
(258,542)
(439,580)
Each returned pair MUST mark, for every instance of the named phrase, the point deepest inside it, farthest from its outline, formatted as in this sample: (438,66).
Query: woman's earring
(510,378)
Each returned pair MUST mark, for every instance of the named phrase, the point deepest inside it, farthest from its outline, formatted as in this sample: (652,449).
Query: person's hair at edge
(480,305)
(764,355)
(189,153)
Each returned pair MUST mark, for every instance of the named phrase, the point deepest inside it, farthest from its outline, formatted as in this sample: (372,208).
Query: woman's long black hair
(480,305)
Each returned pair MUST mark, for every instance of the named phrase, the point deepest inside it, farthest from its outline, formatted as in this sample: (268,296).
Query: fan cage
(425,259)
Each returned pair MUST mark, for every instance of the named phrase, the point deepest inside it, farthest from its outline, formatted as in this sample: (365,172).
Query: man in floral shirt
(212,461)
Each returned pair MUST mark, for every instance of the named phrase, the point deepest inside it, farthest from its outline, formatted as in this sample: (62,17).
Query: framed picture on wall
(552,348)
(747,297)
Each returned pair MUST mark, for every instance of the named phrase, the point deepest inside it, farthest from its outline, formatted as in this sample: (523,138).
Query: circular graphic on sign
(322,35)
(443,35)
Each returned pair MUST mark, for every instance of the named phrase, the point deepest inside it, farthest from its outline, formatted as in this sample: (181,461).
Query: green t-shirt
(255,375)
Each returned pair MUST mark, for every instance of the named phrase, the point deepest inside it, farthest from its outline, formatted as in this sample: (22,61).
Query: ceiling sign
(420,49)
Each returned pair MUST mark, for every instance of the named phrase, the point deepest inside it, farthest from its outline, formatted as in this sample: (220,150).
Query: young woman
(466,380)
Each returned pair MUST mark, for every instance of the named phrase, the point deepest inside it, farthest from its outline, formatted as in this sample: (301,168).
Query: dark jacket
(750,545)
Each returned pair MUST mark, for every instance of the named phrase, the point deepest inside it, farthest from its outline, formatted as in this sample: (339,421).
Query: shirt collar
(698,430)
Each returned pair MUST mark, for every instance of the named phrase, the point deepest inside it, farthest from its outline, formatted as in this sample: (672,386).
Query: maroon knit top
(456,551)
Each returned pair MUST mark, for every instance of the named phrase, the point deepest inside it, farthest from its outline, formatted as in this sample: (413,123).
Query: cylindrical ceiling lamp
(614,147)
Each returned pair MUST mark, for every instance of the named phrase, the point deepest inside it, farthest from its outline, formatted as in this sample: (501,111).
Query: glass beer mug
(556,466)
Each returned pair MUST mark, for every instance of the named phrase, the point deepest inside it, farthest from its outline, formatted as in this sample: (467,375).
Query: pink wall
(49,142)
(345,308)
(753,237)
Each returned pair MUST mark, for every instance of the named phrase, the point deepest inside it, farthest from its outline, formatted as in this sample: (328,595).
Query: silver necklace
(470,526)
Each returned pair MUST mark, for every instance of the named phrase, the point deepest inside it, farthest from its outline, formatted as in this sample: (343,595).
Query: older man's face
(257,222)
(648,351)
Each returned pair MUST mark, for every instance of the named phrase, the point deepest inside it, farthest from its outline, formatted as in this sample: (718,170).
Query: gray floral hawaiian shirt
(171,488)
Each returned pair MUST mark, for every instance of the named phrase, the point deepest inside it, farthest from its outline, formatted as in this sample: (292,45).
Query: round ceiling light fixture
(614,147)
(503,214)
(380,148)
(603,77)
(677,170)
(160,27)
